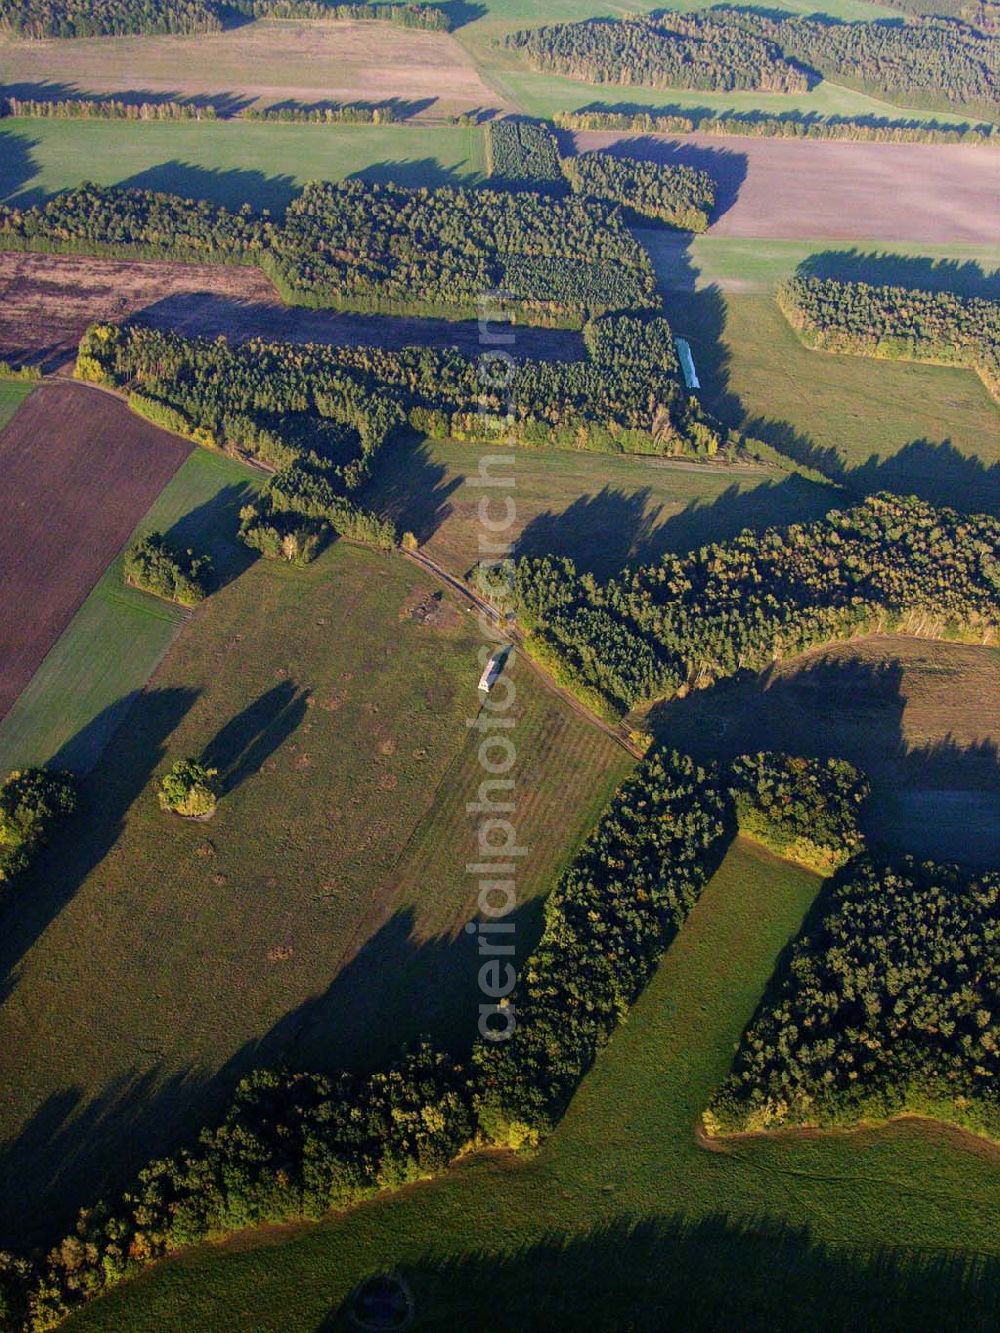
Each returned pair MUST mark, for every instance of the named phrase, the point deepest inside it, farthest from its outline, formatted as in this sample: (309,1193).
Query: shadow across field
(249,739)
(395,989)
(633,532)
(411,489)
(644,1274)
(415,172)
(939,799)
(37,898)
(18,164)
(224,104)
(917,272)
(232,187)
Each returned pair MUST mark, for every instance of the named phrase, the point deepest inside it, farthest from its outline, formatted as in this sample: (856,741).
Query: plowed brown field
(79,471)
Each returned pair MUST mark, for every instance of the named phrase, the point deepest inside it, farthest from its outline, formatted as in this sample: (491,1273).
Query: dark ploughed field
(79,472)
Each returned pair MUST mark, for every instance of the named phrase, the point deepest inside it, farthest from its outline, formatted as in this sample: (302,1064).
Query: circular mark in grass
(381,1304)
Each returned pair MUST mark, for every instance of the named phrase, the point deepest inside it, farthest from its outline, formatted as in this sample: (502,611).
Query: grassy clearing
(623,1220)
(228,162)
(157,961)
(12,395)
(603,510)
(83,689)
(928,430)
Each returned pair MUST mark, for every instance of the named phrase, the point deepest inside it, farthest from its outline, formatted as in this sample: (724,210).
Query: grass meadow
(228,162)
(622,1220)
(149,962)
(602,510)
(108,651)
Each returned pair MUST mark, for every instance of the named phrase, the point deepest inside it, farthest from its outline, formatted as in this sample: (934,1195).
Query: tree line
(355,245)
(787,125)
(273,402)
(889,1004)
(922,61)
(888,564)
(112,108)
(680,196)
(896,323)
(118,18)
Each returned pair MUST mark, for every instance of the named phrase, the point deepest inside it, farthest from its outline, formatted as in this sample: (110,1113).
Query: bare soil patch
(818,189)
(79,472)
(267,61)
(46,302)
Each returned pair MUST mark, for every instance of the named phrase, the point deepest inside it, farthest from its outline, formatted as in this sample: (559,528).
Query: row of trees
(33,801)
(668,50)
(155,565)
(889,1004)
(362,246)
(804,810)
(104,108)
(788,125)
(279,534)
(889,563)
(896,323)
(103,18)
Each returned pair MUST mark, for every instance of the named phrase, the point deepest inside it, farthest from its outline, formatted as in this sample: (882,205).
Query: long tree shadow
(249,739)
(396,988)
(757,1274)
(224,104)
(208,314)
(411,488)
(966,278)
(18,165)
(415,173)
(231,187)
(939,798)
(210,529)
(32,901)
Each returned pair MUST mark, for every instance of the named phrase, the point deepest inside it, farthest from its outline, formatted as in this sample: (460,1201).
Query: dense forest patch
(886,564)
(888,1005)
(923,61)
(354,245)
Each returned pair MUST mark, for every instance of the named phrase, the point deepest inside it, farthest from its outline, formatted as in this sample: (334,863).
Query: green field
(12,395)
(151,962)
(602,510)
(622,1220)
(111,647)
(228,162)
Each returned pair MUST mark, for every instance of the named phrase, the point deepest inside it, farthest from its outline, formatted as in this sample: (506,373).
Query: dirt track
(79,472)
(46,302)
(818,189)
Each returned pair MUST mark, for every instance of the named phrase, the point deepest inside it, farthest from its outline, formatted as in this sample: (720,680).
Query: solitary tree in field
(189,789)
